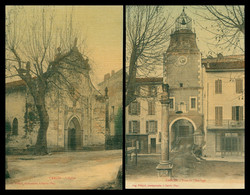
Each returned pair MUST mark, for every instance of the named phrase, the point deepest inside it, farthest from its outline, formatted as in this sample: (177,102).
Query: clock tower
(182,73)
(182,57)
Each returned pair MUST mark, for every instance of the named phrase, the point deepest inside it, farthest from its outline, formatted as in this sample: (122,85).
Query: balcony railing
(225,124)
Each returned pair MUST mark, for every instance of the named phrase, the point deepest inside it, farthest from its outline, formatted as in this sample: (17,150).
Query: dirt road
(69,170)
(188,172)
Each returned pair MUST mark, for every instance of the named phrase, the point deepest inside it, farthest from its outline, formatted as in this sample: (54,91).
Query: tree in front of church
(32,36)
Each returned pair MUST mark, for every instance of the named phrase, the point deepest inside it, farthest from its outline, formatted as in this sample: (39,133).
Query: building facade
(76,115)
(224,105)
(182,72)
(207,101)
(143,116)
(113,85)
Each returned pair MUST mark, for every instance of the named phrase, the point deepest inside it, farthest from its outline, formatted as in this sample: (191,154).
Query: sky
(205,40)
(203,37)
(101,28)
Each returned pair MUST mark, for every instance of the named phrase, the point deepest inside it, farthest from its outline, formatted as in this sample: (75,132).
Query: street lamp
(164,168)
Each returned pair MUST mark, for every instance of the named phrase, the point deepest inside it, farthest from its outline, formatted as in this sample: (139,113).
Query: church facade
(76,116)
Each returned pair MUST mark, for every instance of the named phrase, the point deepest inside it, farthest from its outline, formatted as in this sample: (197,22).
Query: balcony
(225,124)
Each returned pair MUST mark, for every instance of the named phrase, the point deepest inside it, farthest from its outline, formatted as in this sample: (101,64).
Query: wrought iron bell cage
(183,22)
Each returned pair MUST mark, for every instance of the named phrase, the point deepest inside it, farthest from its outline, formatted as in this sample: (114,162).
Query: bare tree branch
(147,33)
(227,25)
(34,44)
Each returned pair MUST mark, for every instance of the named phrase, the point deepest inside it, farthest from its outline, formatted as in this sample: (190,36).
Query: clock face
(182,60)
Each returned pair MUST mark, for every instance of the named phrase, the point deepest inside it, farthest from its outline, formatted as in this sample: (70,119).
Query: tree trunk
(41,143)
(7,175)
(130,96)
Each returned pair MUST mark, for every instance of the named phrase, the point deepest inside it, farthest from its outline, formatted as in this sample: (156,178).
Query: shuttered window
(218,86)
(171,103)
(239,85)
(218,116)
(237,113)
(134,126)
(151,107)
(134,108)
(151,126)
(193,103)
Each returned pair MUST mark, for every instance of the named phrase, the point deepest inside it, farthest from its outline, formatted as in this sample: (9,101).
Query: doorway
(74,135)
(153,145)
(15,127)
(72,139)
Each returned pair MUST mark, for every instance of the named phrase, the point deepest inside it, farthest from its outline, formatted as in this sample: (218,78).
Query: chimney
(106,76)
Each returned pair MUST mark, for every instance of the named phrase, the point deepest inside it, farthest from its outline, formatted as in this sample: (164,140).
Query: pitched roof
(149,79)
(232,62)
(14,84)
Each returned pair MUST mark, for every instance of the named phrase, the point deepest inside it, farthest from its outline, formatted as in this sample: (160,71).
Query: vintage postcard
(184,106)
(185,97)
(64,86)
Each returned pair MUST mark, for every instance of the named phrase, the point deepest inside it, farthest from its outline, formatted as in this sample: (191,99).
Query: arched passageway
(182,132)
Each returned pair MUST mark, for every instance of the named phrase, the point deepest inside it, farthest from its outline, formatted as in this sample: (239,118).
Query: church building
(76,115)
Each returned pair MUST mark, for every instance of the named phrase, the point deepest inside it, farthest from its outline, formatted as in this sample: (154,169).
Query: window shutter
(216,86)
(156,128)
(218,116)
(146,126)
(138,108)
(130,127)
(138,126)
(241,113)
(153,107)
(149,107)
(220,86)
(234,113)
(129,109)
(239,85)
(221,115)
(171,105)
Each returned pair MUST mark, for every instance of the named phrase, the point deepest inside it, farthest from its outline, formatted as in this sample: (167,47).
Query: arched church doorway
(182,132)
(74,135)
(15,127)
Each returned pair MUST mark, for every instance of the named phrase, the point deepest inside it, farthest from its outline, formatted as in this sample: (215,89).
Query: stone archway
(74,141)
(181,133)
